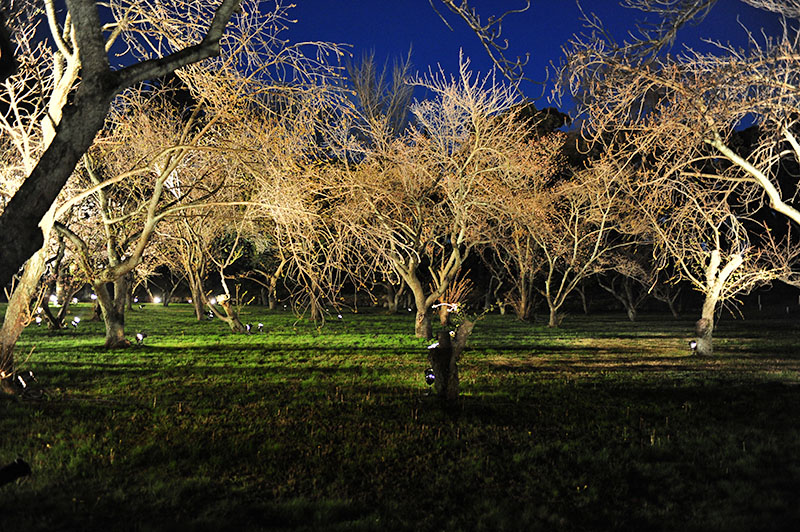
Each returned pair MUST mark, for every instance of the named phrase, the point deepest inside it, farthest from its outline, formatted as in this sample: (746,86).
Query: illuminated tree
(83,41)
(577,226)
(419,202)
(678,121)
(721,254)
(534,165)
(148,165)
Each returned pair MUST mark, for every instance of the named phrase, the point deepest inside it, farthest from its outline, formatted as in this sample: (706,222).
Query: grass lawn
(600,425)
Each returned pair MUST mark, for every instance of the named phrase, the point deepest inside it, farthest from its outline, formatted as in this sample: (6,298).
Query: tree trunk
(705,327)
(444,360)
(315,310)
(232,317)
(113,310)
(196,289)
(523,307)
(584,301)
(444,316)
(554,320)
(673,308)
(18,310)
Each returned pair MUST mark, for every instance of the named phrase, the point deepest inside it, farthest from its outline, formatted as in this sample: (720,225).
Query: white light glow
(156,300)
(53,299)
(93,297)
(74,300)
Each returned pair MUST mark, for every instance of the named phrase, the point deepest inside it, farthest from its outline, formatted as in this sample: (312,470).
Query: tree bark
(444,360)
(20,236)
(18,309)
(554,320)
(704,328)
(113,311)
(196,289)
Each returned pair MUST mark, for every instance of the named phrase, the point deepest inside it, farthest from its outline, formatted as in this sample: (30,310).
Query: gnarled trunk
(704,328)
(555,318)
(112,307)
(444,360)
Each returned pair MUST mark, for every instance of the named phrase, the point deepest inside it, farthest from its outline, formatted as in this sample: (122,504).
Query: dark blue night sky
(390,27)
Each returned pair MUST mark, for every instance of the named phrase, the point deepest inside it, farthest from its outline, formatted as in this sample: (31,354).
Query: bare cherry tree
(576,230)
(83,40)
(721,254)
(534,165)
(419,202)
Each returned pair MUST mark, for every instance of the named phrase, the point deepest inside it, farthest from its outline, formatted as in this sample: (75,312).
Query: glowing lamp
(93,297)
(430,376)
(156,300)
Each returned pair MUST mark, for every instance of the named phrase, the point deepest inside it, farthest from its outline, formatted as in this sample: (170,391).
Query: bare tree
(419,202)
(701,99)
(721,254)
(80,40)
(518,198)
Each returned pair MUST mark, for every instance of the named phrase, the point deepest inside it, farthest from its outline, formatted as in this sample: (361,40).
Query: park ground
(602,424)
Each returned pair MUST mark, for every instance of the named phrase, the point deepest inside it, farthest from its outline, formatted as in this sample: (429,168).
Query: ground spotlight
(430,376)
(93,297)
(135,299)
(75,321)
(140,338)
(74,300)
(156,300)
(339,316)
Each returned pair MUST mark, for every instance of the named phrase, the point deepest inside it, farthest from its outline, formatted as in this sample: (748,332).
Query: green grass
(600,425)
